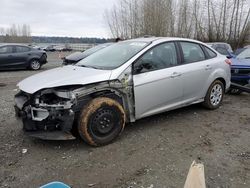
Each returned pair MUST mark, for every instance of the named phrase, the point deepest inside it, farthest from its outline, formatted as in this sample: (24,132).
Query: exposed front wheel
(35,64)
(214,96)
(101,121)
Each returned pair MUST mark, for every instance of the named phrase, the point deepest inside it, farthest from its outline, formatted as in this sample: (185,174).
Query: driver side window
(6,49)
(159,57)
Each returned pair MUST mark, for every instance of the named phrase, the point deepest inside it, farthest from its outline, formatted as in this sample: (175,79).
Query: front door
(157,81)
(6,57)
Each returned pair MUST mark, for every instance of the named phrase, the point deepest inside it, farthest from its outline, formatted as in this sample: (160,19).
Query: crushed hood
(63,76)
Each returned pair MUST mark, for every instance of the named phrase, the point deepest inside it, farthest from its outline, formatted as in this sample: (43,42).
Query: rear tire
(35,64)
(214,96)
(101,121)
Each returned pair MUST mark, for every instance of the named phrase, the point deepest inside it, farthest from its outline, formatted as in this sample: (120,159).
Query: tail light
(228,61)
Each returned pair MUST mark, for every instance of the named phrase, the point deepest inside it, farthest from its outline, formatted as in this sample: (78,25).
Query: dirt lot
(153,152)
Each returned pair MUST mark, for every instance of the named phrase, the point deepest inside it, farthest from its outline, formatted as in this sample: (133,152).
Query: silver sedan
(121,83)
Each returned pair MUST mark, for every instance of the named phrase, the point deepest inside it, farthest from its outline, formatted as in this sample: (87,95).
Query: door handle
(175,74)
(208,67)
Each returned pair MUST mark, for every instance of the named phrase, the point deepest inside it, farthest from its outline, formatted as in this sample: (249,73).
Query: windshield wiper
(87,66)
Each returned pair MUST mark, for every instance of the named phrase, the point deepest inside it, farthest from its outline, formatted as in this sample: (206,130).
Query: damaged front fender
(57,109)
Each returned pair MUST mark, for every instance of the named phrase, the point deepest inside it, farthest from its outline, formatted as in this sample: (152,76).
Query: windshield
(113,56)
(245,54)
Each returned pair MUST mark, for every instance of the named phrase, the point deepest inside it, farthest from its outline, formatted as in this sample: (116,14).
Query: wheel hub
(35,64)
(216,94)
(103,122)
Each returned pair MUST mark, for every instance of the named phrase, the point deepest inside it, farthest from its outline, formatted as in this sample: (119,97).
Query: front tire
(35,64)
(101,121)
(214,96)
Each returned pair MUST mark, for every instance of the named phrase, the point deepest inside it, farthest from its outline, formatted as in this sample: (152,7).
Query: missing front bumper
(41,124)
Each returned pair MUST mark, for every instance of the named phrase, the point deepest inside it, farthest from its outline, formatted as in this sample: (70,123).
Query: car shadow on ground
(142,124)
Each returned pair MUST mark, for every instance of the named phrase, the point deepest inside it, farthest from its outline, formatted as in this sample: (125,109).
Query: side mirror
(147,66)
(138,69)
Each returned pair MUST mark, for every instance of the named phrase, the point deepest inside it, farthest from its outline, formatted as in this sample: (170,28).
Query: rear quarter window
(210,53)
(20,49)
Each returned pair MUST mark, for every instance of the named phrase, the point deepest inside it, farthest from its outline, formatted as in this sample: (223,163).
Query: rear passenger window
(6,49)
(192,52)
(22,49)
(210,53)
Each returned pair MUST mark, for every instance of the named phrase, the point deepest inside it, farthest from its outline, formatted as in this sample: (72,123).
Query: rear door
(196,70)
(21,55)
(157,80)
(6,57)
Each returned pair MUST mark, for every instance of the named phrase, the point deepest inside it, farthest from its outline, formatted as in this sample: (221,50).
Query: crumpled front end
(47,114)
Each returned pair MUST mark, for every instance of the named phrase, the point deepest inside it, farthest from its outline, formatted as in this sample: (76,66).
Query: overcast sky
(76,18)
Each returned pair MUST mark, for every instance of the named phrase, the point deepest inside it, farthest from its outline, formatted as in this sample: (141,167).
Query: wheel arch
(114,94)
(223,81)
(33,58)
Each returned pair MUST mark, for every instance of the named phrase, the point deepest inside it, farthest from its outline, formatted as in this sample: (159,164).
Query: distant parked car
(59,48)
(15,56)
(77,56)
(50,48)
(67,48)
(222,48)
(240,70)
(35,46)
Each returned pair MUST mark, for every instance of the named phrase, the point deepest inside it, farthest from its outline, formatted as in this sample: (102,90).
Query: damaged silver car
(122,83)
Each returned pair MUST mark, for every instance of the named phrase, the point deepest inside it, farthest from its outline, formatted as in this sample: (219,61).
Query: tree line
(22,34)
(204,20)
(47,39)
(16,33)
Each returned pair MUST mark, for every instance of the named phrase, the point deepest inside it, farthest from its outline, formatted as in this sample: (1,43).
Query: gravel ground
(154,152)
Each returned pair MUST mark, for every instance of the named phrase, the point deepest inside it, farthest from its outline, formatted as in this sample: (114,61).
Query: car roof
(216,43)
(162,39)
(13,44)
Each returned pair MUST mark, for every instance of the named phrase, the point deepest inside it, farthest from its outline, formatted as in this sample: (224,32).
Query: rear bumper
(43,59)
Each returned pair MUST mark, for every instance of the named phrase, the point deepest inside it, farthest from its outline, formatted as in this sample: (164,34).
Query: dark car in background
(63,48)
(49,48)
(16,56)
(77,56)
(57,47)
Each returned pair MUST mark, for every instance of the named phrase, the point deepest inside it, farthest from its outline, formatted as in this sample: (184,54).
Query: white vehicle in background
(121,83)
